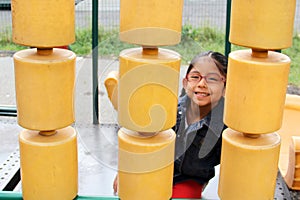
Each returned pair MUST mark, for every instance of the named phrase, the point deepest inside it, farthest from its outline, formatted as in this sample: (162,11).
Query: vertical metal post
(95,61)
(10,111)
(227,43)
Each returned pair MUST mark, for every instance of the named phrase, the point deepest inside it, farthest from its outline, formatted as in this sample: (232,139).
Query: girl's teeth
(203,94)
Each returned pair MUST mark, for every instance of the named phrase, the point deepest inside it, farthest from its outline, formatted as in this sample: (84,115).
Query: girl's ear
(224,90)
(184,83)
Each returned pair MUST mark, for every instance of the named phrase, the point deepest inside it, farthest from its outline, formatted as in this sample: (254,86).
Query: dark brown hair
(219,59)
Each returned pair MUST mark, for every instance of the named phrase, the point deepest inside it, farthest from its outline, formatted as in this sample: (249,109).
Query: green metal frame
(4,195)
(95,61)
(227,43)
(18,196)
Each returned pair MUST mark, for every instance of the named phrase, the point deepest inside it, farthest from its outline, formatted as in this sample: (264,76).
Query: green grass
(294,53)
(193,41)
(6,43)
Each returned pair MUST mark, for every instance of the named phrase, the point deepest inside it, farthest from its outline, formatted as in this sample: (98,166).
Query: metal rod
(95,61)
(14,181)
(228,14)
(10,111)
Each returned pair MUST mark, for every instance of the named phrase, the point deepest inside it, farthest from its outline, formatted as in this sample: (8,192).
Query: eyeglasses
(196,77)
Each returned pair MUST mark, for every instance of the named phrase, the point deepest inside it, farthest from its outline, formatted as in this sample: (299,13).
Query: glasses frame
(221,78)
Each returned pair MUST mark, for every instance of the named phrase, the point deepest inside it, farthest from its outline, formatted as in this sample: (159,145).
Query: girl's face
(204,84)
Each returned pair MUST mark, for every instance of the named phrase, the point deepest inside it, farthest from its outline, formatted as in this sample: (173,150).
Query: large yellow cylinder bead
(45,88)
(290,140)
(145,165)
(264,24)
(148,88)
(39,23)
(151,23)
(255,91)
(49,165)
(292,175)
(249,166)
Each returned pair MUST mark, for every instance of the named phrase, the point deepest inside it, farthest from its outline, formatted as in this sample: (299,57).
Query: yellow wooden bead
(145,165)
(249,166)
(39,23)
(292,176)
(45,88)
(148,88)
(255,91)
(49,166)
(151,23)
(289,134)
(264,24)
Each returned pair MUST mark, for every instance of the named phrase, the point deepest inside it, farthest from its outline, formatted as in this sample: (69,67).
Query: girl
(199,124)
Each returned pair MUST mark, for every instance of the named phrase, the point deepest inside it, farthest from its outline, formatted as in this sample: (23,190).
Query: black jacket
(198,146)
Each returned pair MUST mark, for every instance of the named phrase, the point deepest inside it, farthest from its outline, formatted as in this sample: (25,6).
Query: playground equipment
(49,132)
(290,134)
(147,93)
(255,95)
(45,79)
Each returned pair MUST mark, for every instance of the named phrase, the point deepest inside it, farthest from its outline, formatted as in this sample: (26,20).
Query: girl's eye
(212,79)
(195,77)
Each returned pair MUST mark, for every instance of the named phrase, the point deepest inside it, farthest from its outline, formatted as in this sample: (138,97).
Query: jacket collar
(214,120)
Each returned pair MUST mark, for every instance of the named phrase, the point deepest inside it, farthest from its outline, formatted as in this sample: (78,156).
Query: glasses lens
(213,78)
(193,77)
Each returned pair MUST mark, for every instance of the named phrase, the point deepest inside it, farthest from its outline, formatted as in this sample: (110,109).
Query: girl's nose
(202,83)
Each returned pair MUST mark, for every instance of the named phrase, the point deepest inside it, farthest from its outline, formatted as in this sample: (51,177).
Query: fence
(195,12)
(198,13)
